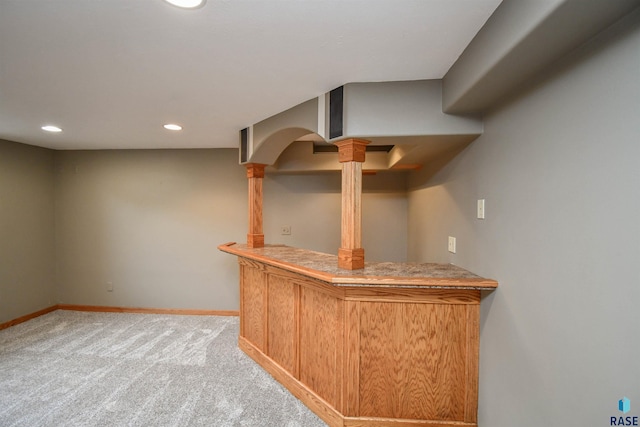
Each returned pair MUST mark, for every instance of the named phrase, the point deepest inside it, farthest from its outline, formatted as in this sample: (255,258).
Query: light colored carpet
(110,369)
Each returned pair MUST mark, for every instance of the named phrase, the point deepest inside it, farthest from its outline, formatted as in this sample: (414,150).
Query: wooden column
(351,153)
(255,174)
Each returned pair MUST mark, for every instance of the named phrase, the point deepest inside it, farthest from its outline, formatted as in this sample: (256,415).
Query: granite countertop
(386,274)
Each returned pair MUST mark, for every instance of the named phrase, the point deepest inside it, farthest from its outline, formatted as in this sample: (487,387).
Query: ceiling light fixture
(51,128)
(187,4)
(171,126)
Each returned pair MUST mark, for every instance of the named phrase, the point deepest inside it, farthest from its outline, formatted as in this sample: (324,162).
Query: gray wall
(27,264)
(150,222)
(558,168)
(311,205)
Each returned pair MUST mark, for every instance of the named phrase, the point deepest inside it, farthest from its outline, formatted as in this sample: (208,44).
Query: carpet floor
(71,368)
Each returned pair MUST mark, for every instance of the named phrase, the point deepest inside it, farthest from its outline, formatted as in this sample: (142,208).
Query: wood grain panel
(351,385)
(435,296)
(341,375)
(473,359)
(413,361)
(241,265)
(404,281)
(351,237)
(351,259)
(282,323)
(303,392)
(255,174)
(392,422)
(319,325)
(307,282)
(253,264)
(378,355)
(255,240)
(351,154)
(253,310)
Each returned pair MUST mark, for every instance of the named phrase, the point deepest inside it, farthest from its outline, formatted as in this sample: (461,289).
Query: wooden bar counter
(393,344)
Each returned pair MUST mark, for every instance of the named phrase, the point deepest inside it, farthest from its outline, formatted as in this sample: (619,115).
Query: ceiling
(110,73)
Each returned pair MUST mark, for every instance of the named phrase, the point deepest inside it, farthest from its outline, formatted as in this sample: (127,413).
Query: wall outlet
(109,286)
(480,209)
(285,230)
(452,245)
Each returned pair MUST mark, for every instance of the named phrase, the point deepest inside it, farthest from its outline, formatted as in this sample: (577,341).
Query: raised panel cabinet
(391,351)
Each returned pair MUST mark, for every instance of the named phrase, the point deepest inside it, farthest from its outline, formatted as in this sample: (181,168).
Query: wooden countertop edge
(381,281)
(325,277)
(434,282)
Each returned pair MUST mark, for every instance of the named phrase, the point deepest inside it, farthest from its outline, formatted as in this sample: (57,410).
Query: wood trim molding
(351,259)
(479,283)
(473,363)
(27,317)
(351,153)
(352,150)
(351,381)
(413,295)
(392,422)
(106,309)
(255,240)
(141,310)
(351,223)
(255,170)
(408,166)
(255,174)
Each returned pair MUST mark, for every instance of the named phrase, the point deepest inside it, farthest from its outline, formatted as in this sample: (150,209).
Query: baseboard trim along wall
(105,309)
(26,317)
(188,312)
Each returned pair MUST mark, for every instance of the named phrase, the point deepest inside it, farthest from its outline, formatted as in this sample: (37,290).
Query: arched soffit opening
(269,149)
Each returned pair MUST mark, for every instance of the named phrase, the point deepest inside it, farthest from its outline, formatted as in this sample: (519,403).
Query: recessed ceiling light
(171,126)
(186,4)
(51,128)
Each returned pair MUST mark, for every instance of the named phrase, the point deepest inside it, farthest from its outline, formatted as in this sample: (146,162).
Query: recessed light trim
(187,4)
(51,128)
(171,126)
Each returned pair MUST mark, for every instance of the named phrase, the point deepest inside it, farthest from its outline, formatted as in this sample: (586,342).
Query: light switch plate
(481,209)
(452,245)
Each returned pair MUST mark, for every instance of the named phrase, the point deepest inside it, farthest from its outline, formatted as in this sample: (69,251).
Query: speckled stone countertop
(386,274)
